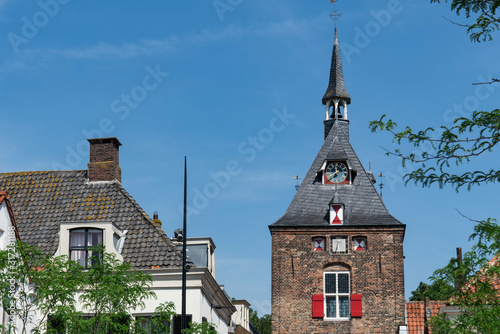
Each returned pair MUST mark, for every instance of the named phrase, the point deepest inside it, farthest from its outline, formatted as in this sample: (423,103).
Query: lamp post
(184,239)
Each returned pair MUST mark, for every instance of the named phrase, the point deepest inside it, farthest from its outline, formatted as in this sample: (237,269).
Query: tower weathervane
(335,15)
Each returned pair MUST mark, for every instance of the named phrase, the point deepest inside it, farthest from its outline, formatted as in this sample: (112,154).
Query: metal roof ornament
(336,95)
(335,15)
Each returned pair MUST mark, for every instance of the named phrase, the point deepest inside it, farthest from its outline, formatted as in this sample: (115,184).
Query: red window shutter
(356,306)
(318,311)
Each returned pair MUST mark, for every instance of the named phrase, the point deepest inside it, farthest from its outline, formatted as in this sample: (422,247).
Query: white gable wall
(5,226)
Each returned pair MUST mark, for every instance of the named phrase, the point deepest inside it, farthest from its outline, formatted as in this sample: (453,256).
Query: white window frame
(333,243)
(85,248)
(337,295)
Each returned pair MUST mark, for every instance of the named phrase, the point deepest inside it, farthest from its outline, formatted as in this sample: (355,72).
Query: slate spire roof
(42,200)
(362,204)
(336,86)
(310,206)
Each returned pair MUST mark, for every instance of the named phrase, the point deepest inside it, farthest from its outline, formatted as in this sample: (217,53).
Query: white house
(67,212)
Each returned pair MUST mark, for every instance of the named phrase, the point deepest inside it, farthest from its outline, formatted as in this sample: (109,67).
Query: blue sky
(236,86)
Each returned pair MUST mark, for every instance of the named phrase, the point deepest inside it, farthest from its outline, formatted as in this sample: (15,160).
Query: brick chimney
(156,221)
(104,164)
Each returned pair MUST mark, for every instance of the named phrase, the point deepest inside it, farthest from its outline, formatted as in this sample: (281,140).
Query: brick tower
(337,253)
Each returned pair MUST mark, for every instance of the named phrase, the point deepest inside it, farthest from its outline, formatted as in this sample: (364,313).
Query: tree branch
(456,23)
(493,80)
(472,220)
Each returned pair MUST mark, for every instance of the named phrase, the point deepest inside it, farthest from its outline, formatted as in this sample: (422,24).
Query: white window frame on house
(111,243)
(81,250)
(332,293)
(337,247)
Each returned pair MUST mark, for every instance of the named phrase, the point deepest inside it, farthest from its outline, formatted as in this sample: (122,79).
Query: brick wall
(377,273)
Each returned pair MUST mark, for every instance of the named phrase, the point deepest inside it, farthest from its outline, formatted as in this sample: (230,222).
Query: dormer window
(76,239)
(336,214)
(81,243)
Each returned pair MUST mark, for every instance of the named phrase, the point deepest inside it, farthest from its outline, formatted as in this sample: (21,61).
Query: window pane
(77,238)
(94,258)
(331,307)
(339,245)
(144,323)
(78,256)
(343,283)
(94,238)
(344,307)
(116,240)
(198,254)
(330,284)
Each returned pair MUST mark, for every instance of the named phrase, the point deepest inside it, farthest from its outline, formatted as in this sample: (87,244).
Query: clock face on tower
(336,172)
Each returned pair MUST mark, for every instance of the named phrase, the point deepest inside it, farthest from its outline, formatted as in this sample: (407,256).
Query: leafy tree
(452,146)
(437,290)
(476,277)
(159,323)
(262,324)
(32,281)
(467,137)
(197,328)
(487,20)
(111,290)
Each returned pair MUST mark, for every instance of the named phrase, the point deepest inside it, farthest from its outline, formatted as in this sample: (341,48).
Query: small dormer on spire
(336,95)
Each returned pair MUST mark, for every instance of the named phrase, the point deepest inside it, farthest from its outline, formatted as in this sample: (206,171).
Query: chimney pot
(156,221)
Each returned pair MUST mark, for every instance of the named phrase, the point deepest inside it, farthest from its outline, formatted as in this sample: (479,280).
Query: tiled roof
(336,86)
(415,314)
(310,205)
(42,200)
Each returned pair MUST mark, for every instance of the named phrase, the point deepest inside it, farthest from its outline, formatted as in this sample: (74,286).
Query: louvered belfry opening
(104,160)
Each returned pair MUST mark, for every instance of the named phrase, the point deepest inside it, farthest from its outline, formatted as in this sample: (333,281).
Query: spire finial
(335,15)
